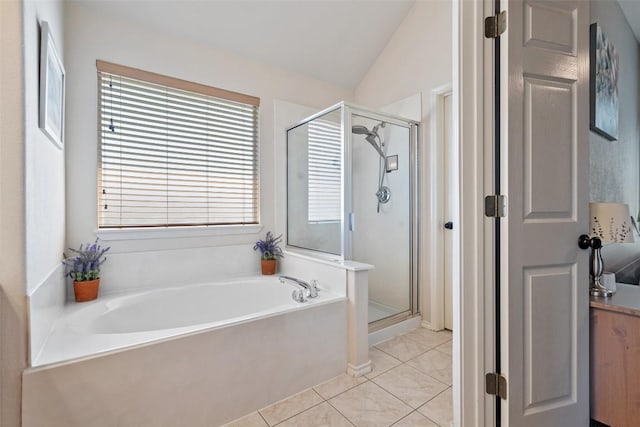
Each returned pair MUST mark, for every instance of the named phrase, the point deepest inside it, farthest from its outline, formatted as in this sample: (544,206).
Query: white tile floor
(410,385)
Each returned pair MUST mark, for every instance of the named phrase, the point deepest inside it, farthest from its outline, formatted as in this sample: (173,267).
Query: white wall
(44,184)
(417,59)
(614,174)
(31,188)
(44,161)
(91,36)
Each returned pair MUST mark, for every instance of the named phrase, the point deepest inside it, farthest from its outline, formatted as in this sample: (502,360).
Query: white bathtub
(154,357)
(118,321)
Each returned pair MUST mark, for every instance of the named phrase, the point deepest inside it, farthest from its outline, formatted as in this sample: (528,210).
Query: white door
(450,209)
(544,279)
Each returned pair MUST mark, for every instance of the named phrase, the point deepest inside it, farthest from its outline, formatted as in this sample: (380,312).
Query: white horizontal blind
(171,157)
(325,144)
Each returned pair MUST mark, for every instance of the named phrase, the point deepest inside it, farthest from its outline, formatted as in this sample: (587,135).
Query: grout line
(414,411)
(433,421)
(410,406)
(263,419)
(351,388)
(343,391)
(406,403)
(435,379)
(429,375)
(338,411)
(301,412)
(448,387)
(440,351)
(286,399)
(388,354)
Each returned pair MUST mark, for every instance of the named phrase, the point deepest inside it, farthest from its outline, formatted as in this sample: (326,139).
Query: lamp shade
(610,222)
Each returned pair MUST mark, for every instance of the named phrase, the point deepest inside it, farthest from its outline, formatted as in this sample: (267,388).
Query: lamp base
(597,267)
(600,291)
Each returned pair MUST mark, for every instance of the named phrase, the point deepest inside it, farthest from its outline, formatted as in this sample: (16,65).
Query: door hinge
(495,206)
(494,26)
(496,385)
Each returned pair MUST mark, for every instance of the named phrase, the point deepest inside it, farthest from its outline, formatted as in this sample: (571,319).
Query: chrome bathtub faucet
(310,290)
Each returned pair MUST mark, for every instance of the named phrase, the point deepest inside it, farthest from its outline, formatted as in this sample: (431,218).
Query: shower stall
(352,195)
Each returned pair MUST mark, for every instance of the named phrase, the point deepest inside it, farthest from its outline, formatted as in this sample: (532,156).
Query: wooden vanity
(615,357)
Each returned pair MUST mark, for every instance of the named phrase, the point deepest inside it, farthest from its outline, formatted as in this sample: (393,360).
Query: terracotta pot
(86,290)
(268,267)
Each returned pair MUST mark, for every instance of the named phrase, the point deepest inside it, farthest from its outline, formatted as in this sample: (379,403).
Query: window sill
(115,234)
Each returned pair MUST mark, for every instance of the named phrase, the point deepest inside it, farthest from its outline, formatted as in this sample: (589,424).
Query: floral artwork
(52,83)
(604,84)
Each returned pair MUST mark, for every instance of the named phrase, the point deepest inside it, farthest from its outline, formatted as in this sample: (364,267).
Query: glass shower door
(314,184)
(382,203)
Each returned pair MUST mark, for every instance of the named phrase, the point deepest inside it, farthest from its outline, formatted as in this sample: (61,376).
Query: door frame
(436,153)
(473,299)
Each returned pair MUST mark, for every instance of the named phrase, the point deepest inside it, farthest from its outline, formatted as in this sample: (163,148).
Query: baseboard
(394,330)
(360,370)
(427,324)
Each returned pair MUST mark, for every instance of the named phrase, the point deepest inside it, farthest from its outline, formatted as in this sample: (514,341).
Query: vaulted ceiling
(332,40)
(631,9)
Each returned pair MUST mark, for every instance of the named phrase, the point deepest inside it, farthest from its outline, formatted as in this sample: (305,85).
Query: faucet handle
(313,289)
(298,295)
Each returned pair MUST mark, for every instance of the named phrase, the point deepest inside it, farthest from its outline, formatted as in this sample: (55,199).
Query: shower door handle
(448,225)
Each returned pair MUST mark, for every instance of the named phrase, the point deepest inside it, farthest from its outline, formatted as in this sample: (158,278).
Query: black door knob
(448,225)
(586,242)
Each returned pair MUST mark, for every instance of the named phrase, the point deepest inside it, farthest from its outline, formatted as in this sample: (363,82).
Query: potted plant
(84,269)
(270,250)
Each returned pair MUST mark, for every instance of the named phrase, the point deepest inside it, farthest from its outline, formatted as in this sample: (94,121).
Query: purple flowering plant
(85,263)
(269,247)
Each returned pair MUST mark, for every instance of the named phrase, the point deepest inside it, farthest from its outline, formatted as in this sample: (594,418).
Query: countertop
(626,300)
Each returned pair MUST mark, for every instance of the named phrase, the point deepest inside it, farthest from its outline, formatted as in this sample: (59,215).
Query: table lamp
(611,222)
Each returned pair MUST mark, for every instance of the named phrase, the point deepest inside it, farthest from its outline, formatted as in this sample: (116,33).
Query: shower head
(371,139)
(371,136)
(360,130)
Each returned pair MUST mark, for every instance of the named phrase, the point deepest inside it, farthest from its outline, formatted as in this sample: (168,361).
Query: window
(174,153)
(325,144)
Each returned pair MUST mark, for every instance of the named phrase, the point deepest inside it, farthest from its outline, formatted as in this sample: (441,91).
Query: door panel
(549,27)
(549,368)
(549,110)
(545,325)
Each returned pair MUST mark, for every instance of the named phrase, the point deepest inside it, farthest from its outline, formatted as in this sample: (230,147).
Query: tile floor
(410,385)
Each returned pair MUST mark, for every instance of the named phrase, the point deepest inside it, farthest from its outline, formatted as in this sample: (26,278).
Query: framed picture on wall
(604,84)
(52,82)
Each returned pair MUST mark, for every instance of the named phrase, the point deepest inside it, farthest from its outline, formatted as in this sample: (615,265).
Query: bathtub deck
(71,337)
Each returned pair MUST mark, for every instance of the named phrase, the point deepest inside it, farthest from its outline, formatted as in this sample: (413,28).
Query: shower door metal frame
(414,230)
(347,110)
